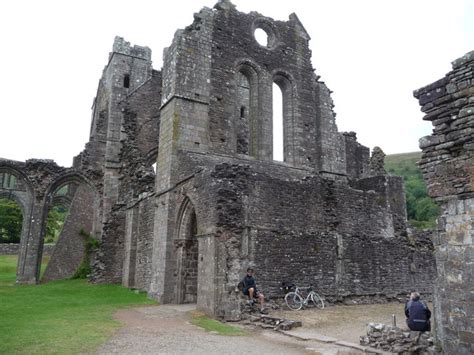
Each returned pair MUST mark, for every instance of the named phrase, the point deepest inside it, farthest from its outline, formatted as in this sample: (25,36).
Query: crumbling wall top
(123,47)
(377,162)
(448,159)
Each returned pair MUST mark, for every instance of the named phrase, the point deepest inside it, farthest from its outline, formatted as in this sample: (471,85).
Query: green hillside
(422,211)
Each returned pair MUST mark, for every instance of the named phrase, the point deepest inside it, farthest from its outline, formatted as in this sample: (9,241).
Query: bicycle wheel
(317,300)
(293,301)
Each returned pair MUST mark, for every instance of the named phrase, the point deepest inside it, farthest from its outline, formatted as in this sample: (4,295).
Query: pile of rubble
(396,340)
(274,323)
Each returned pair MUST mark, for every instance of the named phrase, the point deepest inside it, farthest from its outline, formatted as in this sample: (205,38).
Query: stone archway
(75,193)
(16,187)
(186,243)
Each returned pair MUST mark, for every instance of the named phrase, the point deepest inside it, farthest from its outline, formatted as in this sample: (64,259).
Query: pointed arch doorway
(187,255)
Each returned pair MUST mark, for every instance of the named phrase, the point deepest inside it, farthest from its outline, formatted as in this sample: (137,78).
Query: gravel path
(166,329)
(345,322)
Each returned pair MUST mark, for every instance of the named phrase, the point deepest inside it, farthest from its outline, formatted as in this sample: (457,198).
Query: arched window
(246,110)
(277,128)
(283,120)
(7,181)
(126,81)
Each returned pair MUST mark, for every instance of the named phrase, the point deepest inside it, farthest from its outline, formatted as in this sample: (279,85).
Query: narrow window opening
(277,123)
(126,81)
(8,181)
(242,112)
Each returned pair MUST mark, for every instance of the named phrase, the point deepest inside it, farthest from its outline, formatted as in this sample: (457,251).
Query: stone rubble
(397,340)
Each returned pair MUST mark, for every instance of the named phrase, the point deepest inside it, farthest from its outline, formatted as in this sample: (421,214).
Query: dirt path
(167,329)
(345,322)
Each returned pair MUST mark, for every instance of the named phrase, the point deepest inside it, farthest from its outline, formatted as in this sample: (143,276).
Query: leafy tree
(10,221)
(421,209)
(54,223)
(426,210)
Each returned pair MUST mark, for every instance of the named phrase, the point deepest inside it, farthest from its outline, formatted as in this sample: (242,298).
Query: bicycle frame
(310,292)
(301,296)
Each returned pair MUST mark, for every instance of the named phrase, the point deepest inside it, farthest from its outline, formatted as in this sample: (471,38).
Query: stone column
(448,168)
(31,247)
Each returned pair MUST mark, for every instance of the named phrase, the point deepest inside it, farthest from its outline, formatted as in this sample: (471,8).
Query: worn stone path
(167,329)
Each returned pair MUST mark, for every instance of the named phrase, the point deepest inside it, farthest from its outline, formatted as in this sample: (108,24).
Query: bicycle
(295,300)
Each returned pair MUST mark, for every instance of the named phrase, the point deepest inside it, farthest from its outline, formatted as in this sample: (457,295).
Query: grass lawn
(68,316)
(212,325)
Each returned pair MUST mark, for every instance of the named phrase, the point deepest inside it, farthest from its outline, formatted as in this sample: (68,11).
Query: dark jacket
(249,281)
(418,315)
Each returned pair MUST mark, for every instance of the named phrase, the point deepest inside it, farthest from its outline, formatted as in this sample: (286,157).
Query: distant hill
(422,211)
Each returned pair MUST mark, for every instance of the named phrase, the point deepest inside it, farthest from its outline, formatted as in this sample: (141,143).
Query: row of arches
(45,214)
(265,113)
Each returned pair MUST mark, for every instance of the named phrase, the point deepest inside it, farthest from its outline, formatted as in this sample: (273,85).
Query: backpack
(287,286)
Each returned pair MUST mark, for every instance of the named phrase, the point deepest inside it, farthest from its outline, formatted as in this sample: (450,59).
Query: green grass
(60,317)
(8,268)
(212,325)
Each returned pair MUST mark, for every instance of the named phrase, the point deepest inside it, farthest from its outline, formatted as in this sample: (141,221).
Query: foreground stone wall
(290,224)
(448,167)
(295,226)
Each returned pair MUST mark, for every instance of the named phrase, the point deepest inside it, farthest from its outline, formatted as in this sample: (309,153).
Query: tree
(11,218)
(426,210)
(421,210)
(54,223)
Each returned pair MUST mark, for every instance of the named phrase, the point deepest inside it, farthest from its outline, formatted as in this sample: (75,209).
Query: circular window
(265,33)
(261,37)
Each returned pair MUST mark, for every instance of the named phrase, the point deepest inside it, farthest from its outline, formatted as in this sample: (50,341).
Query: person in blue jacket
(250,288)
(418,314)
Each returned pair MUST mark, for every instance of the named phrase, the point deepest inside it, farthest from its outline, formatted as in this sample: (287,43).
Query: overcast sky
(372,54)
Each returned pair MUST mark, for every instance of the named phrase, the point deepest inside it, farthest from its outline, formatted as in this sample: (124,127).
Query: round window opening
(262,37)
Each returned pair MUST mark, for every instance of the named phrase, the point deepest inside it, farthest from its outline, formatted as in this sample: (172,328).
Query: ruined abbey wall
(187,193)
(448,168)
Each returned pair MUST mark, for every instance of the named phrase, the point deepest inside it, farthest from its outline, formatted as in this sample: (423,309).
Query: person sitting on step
(250,288)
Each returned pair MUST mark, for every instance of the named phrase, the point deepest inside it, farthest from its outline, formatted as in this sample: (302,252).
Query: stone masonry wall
(139,243)
(293,225)
(145,243)
(447,164)
(286,60)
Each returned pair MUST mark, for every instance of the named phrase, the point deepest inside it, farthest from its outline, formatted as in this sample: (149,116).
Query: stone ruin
(447,164)
(179,184)
(395,340)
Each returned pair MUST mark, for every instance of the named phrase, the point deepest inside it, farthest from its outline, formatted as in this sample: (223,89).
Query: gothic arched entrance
(186,243)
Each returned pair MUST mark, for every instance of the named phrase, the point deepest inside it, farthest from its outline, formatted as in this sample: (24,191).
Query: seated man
(250,288)
(418,314)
